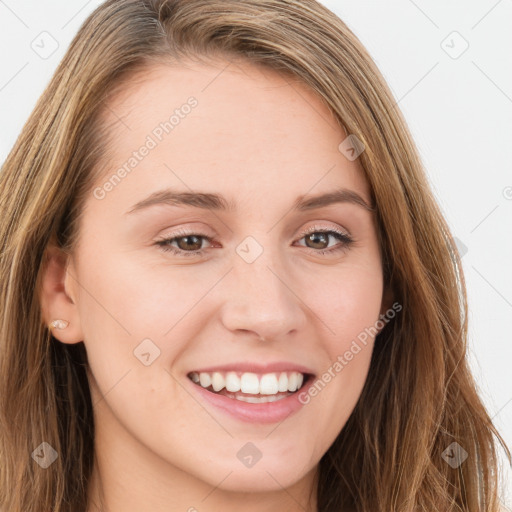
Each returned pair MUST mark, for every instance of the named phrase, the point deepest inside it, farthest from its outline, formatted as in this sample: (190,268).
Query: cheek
(135,312)
(346,302)
(131,296)
(346,311)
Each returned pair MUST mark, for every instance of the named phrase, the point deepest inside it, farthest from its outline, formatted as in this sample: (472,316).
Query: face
(240,287)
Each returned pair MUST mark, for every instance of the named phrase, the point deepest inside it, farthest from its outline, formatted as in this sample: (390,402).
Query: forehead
(224,125)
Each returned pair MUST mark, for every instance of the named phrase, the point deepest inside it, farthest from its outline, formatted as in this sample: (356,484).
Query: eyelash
(342,237)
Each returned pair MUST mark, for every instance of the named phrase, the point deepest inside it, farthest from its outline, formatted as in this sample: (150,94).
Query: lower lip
(268,412)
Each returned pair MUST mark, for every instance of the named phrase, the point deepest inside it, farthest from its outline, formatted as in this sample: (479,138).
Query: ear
(58,292)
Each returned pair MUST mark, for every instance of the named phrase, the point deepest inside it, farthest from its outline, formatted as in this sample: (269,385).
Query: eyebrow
(210,201)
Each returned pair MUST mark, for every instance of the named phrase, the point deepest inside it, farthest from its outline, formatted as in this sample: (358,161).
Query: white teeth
(232,382)
(268,384)
(292,382)
(205,380)
(259,399)
(250,383)
(218,381)
(283,382)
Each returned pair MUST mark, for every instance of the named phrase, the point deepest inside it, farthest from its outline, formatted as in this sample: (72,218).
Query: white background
(459,109)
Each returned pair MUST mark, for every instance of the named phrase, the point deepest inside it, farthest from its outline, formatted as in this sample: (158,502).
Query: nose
(259,299)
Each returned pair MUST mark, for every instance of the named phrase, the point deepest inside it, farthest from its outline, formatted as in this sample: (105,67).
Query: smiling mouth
(251,387)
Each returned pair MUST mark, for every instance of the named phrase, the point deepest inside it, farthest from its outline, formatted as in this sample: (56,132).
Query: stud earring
(58,324)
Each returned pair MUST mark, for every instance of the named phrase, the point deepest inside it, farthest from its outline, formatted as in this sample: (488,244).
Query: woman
(226,284)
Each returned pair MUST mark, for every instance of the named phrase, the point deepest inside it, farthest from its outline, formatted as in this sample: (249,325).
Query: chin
(262,477)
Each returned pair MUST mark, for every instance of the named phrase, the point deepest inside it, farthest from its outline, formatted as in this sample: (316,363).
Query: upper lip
(278,366)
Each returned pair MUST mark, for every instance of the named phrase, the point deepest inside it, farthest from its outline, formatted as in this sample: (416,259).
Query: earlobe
(59,309)
(58,324)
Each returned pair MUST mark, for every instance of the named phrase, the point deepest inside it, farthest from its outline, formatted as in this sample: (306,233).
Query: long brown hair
(419,397)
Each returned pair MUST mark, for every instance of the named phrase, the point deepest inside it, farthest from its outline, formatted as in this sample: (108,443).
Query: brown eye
(318,240)
(189,242)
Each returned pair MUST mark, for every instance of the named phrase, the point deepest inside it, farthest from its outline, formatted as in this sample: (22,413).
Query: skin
(261,142)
